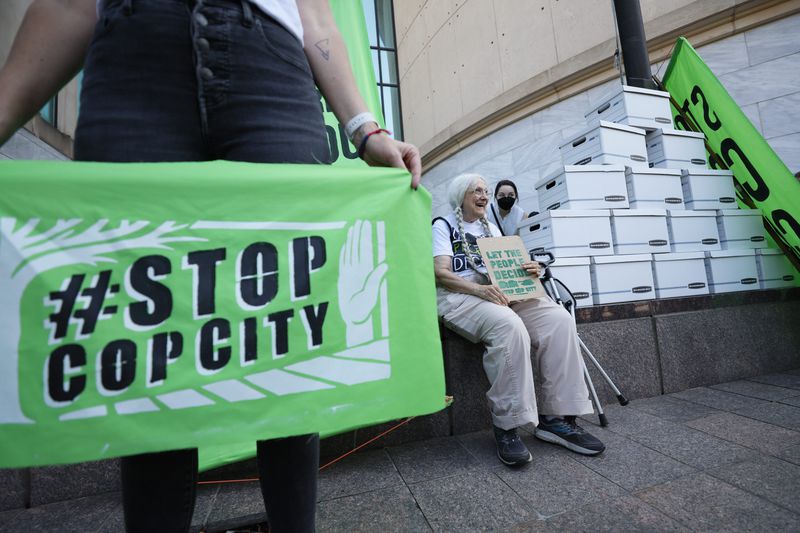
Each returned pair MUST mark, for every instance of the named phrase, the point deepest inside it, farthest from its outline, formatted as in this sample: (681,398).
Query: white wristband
(356,122)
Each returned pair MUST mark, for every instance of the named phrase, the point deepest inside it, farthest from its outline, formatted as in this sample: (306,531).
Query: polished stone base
(653,348)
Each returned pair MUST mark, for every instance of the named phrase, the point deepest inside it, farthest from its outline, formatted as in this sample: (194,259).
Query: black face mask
(506,203)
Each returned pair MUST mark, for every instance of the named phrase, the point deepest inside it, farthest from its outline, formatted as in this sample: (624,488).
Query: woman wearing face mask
(505,209)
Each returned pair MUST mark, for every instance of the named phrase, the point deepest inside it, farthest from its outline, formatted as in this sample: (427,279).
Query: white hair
(455,195)
(459,186)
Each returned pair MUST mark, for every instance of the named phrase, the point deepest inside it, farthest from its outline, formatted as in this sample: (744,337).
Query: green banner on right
(765,180)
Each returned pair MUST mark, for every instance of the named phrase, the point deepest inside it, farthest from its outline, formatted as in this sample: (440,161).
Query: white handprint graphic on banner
(362,269)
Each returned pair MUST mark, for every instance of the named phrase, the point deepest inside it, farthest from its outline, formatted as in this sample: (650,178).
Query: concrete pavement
(724,457)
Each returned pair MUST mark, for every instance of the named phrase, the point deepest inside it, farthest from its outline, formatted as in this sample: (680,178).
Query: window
(380,29)
(48,112)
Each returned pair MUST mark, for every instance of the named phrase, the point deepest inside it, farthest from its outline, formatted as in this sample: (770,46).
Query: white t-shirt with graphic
(447,241)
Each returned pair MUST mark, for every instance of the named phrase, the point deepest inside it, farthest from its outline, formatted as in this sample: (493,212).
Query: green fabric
(764,178)
(228,261)
(349,17)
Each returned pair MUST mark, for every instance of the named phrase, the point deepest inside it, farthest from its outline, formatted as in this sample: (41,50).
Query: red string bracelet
(363,144)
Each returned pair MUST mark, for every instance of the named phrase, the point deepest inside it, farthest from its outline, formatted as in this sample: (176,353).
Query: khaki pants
(509,333)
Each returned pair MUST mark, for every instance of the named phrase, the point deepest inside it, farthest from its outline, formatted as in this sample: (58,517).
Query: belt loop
(127,7)
(247,14)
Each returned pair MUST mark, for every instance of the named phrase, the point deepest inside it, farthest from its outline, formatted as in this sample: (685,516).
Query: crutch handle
(535,255)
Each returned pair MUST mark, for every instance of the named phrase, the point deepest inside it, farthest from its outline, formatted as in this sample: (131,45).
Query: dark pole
(633,43)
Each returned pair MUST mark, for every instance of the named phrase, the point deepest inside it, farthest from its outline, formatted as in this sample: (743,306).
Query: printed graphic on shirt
(460,259)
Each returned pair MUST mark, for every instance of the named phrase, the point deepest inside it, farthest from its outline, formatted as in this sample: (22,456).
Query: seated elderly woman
(471,306)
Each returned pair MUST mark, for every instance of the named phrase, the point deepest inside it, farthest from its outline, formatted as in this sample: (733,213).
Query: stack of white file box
(635,213)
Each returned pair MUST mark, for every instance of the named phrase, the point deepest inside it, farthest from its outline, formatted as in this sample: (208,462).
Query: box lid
(738,212)
(570,261)
(740,252)
(654,171)
(609,259)
(639,212)
(627,89)
(578,168)
(675,133)
(697,171)
(768,251)
(621,127)
(689,213)
(641,90)
(572,213)
(678,256)
(603,124)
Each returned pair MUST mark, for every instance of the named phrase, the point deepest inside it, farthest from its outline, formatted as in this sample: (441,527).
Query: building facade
(494,86)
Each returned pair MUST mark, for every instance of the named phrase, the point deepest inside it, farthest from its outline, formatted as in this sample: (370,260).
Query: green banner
(160,306)
(765,181)
(349,15)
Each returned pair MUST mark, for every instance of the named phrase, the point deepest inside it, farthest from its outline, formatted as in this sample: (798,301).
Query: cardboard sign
(503,257)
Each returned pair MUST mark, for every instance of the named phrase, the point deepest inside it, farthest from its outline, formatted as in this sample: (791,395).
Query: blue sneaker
(567,433)
(510,448)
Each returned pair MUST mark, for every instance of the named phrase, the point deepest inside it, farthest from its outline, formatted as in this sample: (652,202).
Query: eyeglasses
(480,191)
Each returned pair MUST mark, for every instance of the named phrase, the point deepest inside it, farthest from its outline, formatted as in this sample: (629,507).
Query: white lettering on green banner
(764,178)
(162,306)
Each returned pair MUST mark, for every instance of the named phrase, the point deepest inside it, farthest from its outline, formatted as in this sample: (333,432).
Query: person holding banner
(196,80)
(474,308)
(505,208)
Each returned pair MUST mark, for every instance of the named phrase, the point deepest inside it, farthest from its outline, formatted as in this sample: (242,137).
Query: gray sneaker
(567,433)
(510,448)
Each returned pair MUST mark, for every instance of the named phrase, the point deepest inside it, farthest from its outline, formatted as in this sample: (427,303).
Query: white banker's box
(584,187)
(634,106)
(568,233)
(654,187)
(622,278)
(692,231)
(708,189)
(639,231)
(680,274)
(676,149)
(740,228)
(774,269)
(731,270)
(606,144)
(574,273)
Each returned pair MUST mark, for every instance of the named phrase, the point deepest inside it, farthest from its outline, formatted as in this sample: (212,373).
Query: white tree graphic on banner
(27,254)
